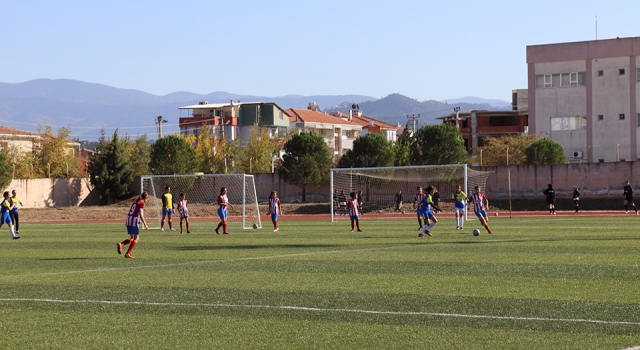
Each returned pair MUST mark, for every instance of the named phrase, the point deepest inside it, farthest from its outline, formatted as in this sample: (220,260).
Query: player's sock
(133,245)
(626,208)
(170,225)
(224,227)
(13,233)
(431,226)
(358,224)
(126,241)
(180,226)
(352,225)
(488,229)
(162,224)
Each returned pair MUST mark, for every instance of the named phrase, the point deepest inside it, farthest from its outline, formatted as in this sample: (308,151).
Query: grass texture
(536,283)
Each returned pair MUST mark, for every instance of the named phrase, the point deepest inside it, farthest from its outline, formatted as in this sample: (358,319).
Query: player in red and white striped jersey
(183,209)
(136,212)
(352,204)
(417,204)
(479,199)
(274,209)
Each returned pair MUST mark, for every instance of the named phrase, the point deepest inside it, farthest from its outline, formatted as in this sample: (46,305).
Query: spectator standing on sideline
(14,212)
(628,197)
(398,202)
(550,193)
(436,200)
(576,198)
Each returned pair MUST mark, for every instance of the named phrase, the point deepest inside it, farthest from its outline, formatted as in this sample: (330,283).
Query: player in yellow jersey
(167,208)
(460,199)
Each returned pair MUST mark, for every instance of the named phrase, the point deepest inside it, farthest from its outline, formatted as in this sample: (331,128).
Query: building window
(600,117)
(600,73)
(621,71)
(600,160)
(561,80)
(638,74)
(568,123)
(638,118)
(621,116)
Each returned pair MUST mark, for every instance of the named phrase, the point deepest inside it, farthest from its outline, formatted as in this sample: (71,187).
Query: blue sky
(422,49)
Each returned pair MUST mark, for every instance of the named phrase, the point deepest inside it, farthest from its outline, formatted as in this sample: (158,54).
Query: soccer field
(536,283)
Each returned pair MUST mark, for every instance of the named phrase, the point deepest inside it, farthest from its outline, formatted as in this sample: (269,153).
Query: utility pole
(159,121)
(457,110)
(414,118)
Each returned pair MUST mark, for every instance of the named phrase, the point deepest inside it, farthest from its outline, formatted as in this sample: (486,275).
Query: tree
(438,144)
(306,161)
(110,168)
(5,171)
(139,152)
(53,156)
(206,150)
(172,155)
(256,157)
(495,152)
(21,161)
(371,150)
(402,148)
(545,151)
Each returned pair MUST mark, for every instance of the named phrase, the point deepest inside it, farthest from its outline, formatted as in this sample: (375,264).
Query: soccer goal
(201,192)
(380,185)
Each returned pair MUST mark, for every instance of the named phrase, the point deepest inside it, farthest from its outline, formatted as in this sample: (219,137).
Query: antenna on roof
(596,26)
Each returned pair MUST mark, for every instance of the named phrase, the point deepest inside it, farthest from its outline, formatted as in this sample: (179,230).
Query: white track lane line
(324,310)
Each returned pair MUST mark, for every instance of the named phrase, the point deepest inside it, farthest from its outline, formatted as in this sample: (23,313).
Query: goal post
(201,192)
(379,185)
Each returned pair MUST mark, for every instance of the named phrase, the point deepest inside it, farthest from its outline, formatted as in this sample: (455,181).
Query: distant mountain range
(87,107)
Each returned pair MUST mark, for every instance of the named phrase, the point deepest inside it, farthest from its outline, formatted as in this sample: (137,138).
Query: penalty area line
(326,310)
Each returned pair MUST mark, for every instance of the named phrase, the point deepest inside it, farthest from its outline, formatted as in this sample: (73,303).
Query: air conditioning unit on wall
(577,154)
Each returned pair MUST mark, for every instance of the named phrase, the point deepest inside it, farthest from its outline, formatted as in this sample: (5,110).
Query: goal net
(201,192)
(378,186)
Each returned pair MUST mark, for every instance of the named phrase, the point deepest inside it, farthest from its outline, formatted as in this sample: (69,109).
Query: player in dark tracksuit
(628,197)
(550,193)
(576,198)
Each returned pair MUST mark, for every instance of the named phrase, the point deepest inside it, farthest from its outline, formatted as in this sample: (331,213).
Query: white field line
(324,310)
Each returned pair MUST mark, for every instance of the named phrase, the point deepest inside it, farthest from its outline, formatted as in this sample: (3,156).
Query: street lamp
(457,110)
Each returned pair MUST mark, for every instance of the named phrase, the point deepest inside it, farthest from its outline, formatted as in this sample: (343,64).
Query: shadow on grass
(258,246)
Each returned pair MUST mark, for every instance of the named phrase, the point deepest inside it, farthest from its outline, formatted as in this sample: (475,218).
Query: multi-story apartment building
(585,96)
(370,125)
(339,134)
(234,119)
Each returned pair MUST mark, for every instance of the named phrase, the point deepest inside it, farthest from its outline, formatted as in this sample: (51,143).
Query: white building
(338,134)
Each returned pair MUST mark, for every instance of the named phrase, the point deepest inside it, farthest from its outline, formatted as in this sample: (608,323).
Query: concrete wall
(593,179)
(39,193)
(527,182)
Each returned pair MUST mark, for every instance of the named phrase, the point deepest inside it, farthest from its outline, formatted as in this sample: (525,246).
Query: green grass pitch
(536,283)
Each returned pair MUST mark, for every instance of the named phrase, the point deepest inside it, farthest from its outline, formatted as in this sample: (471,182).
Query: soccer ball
(476,232)
(496,214)
(255,226)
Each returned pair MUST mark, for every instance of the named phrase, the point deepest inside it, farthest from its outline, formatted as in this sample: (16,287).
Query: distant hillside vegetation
(395,108)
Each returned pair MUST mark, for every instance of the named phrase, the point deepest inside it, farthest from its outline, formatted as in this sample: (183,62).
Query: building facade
(234,120)
(584,95)
(339,134)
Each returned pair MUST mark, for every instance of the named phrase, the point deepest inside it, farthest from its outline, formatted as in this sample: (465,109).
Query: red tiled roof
(308,116)
(11,131)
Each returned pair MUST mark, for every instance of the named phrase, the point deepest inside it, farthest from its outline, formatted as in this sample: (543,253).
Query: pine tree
(110,169)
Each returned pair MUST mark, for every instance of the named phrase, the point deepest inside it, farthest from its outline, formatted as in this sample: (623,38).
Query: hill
(395,108)
(88,107)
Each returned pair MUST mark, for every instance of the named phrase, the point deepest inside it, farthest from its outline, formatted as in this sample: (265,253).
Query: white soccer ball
(476,232)
(496,214)
(255,226)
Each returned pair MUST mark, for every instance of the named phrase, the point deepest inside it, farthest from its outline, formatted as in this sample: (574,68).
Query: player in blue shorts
(460,198)
(223,203)
(429,218)
(6,217)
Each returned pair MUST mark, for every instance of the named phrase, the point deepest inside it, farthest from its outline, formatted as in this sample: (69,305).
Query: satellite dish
(353,106)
